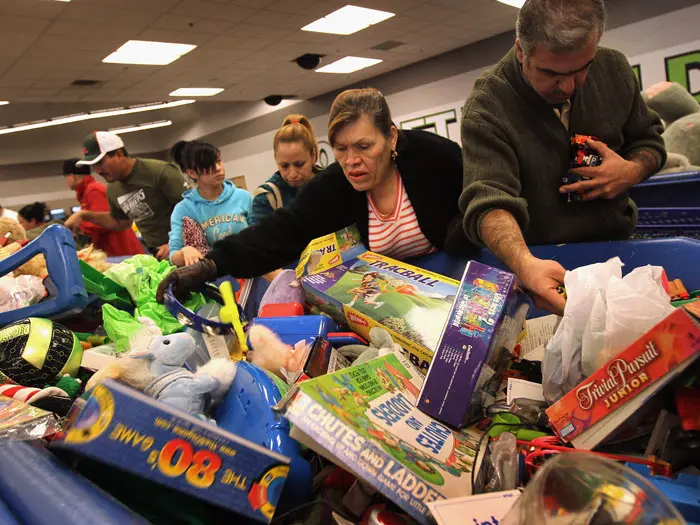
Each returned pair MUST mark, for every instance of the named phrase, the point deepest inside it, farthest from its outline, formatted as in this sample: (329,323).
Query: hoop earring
(394,154)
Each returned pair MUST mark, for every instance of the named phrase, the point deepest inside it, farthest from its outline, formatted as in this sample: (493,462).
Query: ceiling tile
(284,21)
(33,9)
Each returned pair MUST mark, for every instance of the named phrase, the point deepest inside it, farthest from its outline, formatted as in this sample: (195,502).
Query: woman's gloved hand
(187,279)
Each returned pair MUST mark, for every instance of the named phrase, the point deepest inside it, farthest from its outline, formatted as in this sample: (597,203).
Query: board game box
(373,290)
(475,347)
(364,418)
(124,428)
(602,402)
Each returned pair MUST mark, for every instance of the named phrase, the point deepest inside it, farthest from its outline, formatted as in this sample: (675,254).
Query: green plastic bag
(141,275)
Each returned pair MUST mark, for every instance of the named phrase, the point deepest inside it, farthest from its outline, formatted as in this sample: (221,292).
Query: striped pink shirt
(398,236)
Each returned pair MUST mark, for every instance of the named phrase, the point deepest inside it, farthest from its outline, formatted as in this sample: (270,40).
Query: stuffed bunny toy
(155,367)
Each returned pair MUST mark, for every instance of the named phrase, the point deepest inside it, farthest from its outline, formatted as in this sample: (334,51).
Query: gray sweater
(516,151)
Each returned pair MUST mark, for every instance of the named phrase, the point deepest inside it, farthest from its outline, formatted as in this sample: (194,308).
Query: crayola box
(372,290)
(478,337)
(590,412)
(124,428)
(330,250)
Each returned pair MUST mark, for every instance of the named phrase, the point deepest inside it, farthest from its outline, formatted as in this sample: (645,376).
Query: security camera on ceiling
(308,60)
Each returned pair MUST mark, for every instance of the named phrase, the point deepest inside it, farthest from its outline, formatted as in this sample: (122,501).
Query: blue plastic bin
(67,294)
(39,489)
(668,191)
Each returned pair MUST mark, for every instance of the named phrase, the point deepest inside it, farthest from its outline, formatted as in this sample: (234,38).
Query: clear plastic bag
(575,488)
(20,292)
(20,421)
(504,464)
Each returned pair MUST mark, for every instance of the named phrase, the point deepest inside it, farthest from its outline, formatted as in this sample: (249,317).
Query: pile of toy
(363,390)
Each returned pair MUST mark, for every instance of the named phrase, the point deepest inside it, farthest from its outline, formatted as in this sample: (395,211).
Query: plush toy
(270,353)
(95,258)
(16,237)
(155,367)
(680,112)
(380,344)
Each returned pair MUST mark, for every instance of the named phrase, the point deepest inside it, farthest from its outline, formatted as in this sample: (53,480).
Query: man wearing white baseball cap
(143,191)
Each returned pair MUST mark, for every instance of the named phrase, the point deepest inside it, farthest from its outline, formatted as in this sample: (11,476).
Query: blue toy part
(67,294)
(668,190)
(247,412)
(683,492)
(6,516)
(291,330)
(340,339)
(37,489)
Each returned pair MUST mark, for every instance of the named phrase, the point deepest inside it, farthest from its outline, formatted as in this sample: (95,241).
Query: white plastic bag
(632,306)
(604,314)
(561,367)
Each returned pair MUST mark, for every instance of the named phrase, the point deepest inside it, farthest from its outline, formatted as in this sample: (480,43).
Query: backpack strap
(274,198)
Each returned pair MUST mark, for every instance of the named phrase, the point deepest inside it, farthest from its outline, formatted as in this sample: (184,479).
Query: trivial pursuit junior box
(372,290)
(474,349)
(603,401)
(124,428)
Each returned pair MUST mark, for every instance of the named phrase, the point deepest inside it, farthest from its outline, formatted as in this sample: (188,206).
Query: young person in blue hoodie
(212,211)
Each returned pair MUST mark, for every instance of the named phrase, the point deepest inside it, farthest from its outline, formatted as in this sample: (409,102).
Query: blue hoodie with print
(220,218)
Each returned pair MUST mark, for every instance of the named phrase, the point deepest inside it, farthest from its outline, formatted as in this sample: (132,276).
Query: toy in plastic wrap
(580,488)
(34,352)
(21,421)
(582,156)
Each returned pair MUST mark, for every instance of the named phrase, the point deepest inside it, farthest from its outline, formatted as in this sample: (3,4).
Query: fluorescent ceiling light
(348,20)
(4,102)
(148,53)
(141,127)
(196,92)
(514,3)
(59,121)
(348,65)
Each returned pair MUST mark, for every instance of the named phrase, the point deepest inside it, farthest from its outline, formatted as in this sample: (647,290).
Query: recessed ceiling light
(514,3)
(347,20)
(348,65)
(4,102)
(101,113)
(196,92)
(141,127)
(148,53)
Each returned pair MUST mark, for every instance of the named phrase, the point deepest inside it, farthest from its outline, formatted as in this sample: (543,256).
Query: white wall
(436,105)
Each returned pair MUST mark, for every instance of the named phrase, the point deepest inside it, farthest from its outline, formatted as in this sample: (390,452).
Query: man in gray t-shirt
(143,191)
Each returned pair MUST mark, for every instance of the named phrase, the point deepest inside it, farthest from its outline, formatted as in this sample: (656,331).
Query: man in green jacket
(516,129)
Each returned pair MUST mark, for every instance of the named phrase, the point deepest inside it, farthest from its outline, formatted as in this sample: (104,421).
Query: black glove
(187,279)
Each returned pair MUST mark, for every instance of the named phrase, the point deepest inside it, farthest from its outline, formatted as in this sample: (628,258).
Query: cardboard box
(474,349)
(124,428)
(372,290)
(482,509)
(330,250)
(602,402)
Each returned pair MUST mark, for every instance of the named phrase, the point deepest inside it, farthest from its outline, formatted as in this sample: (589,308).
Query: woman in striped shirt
(400,188)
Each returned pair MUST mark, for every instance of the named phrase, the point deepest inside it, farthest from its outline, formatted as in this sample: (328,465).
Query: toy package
(21,421)
(364,418)
(602,402)
(126,429)
(328,251)
(373,290)
(486,318)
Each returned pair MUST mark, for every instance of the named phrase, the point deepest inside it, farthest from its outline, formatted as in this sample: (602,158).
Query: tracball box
(372,290)
(474,349)
(650,361)
(124,428)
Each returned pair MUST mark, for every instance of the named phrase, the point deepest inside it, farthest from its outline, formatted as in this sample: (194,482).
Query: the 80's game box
(373,290)
(121,427)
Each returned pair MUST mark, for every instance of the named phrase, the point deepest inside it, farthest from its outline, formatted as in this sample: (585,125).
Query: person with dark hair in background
(517,127)
(400,189)
(215,209)
(296,154)
(92,196)
(141,191)
(35,218)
